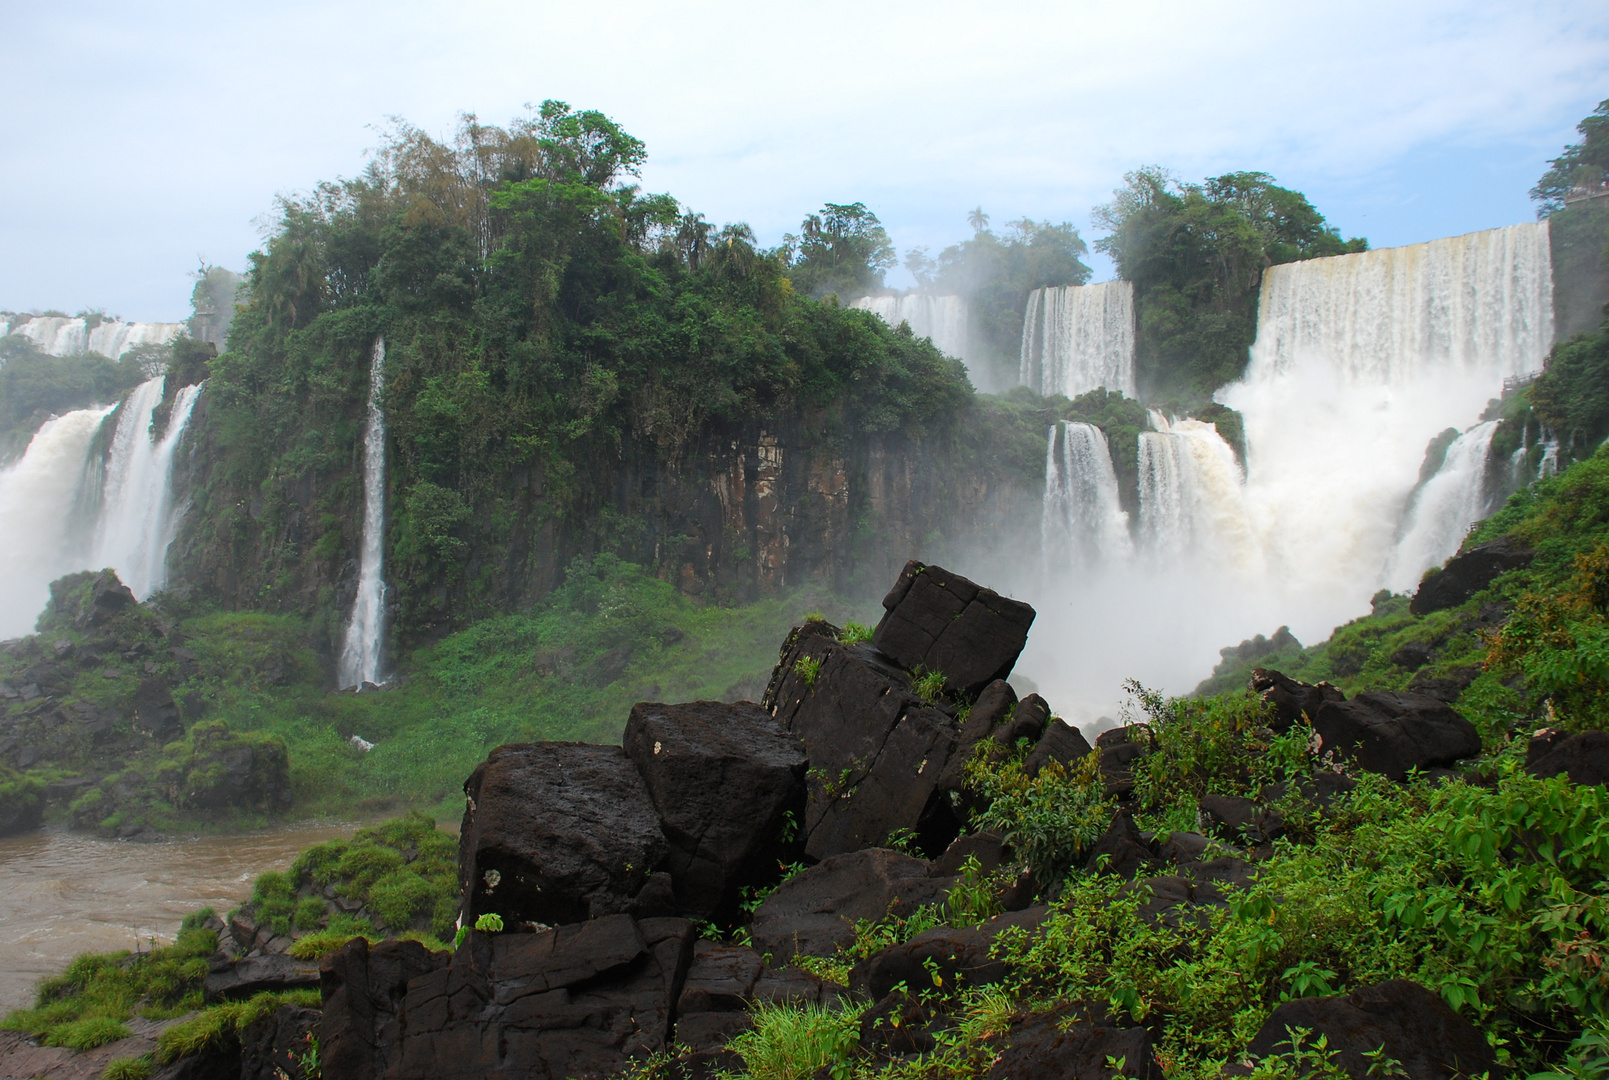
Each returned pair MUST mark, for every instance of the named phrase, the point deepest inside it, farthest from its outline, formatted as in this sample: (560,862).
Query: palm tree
(978,219)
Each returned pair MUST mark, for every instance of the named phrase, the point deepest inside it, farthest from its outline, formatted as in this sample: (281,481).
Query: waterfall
(137,520)
(943,319)
(1082,522)
(1549,465)
(1079,337)
(1359,361)
(40,494)
(1441,511)
(360,653)
(111,338)
(1192,497)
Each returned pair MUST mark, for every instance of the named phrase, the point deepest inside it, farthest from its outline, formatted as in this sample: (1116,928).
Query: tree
(843,250)
(1581,165)
(978,219)
(1196,255)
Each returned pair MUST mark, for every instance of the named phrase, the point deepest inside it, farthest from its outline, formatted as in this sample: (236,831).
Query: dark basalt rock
(1121,850)
(108,598)
(815,911)
(988,848)
(876,750)
(722,982)
(272,1048)
(721,777)
(1036,1048)
(1062,743)
(1584,758)
(1028,721)
(1413,1026)
(360,1033)
(1291,700)
(155,713)
(992,711)
(556,833)
(256,974)
(901,1024)
(1239,820)
(1466,574)
(939,960)
(1315,793)
(1120,748)
(1392,733)
(940,621)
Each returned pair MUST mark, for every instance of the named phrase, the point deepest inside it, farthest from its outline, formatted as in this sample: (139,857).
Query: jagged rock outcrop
(1393,733)
(556,833)
(814,912)
(1584,758)
(1466,574)
(728,784)
(1289,699)
(939,621)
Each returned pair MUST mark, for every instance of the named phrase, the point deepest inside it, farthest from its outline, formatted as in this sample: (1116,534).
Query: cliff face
(746,510)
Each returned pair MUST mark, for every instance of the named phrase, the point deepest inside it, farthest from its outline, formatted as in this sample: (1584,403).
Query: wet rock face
(1466,574)
(940,621)
(1291,700)
(1392,733)
(726,780)
(574,1001)
(1413,1026)
(877,751)
(1037,1048)
(556,833)
(815,911)
(1584,758)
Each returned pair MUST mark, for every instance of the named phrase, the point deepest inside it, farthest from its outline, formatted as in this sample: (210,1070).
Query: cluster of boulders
(603,864)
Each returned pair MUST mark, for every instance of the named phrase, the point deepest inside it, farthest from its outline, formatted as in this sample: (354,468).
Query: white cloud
(139,135)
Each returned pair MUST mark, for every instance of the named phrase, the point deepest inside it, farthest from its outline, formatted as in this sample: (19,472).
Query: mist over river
(66,893)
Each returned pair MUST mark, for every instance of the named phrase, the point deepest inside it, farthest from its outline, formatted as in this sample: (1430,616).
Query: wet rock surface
(941,621)
(1584,758)
(1466,574)
(1392,733)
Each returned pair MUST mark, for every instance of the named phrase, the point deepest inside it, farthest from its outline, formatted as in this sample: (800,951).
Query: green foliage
(489,923)
(91,1001)
(1050,819)
(795,1043)
(929,685)
(843,250)
(1572,397)
(220,1026)
(34,386)
(996,273)
(1196,255)
(855,633)
(139,1068)
(1582,164)
(807,668)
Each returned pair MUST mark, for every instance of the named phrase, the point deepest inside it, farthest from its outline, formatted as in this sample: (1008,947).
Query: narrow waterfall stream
(1083,522)
(360,651)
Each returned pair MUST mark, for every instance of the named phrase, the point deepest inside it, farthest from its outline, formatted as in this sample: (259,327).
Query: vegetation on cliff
(1196,255)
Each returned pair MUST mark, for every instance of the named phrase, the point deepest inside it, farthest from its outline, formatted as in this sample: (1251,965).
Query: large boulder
(360,1033)
(724,779)
(556,833)
(815,911)
(940,621)
(1466,574)
(1584,758)
(992,710)
(1290,700)
(1062,744)
(259,974)
(577,1001)
(1409,1023)
(155,713)
(877,751)
(1084,1043)
(939,960)
(1391,733)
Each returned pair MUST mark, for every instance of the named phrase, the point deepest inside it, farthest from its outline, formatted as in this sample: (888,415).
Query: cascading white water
(40,494)
(1442,511)
(941,318)
(1549,465)
(1079,337)
(112,338)
(1360,360)
(137,521)
(1083,521)
(360,652)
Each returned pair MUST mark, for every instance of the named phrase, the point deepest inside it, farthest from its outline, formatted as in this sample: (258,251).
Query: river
(63,893)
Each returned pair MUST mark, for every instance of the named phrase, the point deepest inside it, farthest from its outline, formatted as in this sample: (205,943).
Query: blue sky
(138,138)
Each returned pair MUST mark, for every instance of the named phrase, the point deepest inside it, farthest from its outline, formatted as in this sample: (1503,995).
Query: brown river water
(62,893)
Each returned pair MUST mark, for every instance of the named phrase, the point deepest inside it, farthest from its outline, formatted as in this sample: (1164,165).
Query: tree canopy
(1196,255)
(1581,165)
(842,250)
